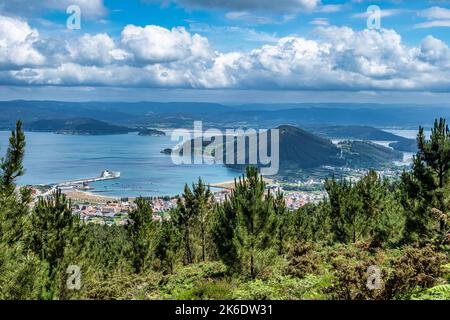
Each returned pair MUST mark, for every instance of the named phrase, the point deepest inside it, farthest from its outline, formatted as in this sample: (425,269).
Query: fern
(440,292)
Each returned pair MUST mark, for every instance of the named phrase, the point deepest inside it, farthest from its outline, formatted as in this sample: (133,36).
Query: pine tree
(22,274)
(140,229)
(54,229)
(166,245)
(255,222)
(344,210)
(284,221)
(435,152)
(357,208)
(13,205)
(417,196)
(183,217)
(223,234)
(201,211)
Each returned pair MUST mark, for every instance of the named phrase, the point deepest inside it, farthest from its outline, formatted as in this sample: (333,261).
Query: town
(95,209)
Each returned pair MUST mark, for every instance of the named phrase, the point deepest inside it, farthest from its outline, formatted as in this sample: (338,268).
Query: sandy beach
(230,184)
(77,195)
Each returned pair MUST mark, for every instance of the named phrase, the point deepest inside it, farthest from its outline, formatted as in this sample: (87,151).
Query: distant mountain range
(182,114)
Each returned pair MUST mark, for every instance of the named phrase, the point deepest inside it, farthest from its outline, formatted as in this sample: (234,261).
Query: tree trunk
(441,200)
(252,266)
(203,244)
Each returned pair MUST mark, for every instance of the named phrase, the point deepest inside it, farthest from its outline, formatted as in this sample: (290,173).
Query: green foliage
(440,292)
(207,290)
(364,210)
(251,212)
(13,207)
(166,246)
(284,218)
(311,287)
(140,230)
(321,251)
(192,220)
(224,235)
(312,223)
(22,275)
(54,230)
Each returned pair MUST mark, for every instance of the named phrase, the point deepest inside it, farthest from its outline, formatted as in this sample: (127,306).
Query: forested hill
(76,126)
(354,132)
(300,149)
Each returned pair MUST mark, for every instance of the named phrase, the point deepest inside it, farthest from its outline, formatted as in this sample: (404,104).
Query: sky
(231,51)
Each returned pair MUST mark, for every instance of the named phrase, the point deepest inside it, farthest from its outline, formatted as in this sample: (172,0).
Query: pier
(105,175)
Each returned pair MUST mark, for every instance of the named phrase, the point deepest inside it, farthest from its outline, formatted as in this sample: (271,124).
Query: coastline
(77,195)
(229,185)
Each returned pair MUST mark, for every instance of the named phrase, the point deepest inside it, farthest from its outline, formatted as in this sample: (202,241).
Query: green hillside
(76,126)
(366,154)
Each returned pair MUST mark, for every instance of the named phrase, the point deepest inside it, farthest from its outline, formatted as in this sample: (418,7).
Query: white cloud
(338,59)
(439,17)
(432,24)
(435,13)
(435,52)
(16,44)
(97,49)
(320,22)
(249,17)
(384,13)
(154,44)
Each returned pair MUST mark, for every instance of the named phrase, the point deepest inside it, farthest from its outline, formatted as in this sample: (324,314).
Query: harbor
(105,175)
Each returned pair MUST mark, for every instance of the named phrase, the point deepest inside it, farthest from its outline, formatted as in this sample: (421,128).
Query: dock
(105,175)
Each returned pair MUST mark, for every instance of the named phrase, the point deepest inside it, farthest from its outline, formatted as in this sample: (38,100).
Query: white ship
(106,174)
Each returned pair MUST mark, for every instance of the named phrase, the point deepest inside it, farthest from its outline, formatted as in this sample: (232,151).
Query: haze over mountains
(182,114)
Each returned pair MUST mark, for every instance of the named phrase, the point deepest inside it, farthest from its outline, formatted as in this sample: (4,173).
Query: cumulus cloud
(16,44)
(97,49)
(339,58)
(154,44)
(435,51)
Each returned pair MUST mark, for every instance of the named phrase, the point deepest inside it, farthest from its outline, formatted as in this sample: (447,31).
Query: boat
(106,174)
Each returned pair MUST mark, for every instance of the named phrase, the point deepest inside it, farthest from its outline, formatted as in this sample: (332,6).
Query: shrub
(303,260)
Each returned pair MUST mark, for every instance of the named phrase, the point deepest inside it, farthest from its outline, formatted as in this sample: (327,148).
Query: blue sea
(145,171)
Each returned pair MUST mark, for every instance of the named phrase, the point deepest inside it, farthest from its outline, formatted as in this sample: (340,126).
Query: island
(167,151)
(76,126)
(151,132)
